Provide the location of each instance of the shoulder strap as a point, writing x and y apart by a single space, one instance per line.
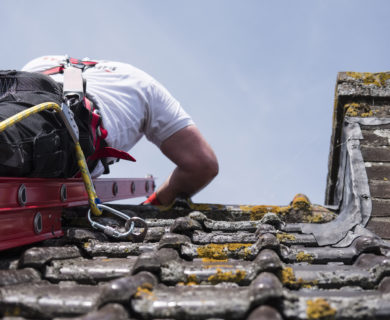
76 63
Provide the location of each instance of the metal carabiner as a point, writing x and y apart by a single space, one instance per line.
129 225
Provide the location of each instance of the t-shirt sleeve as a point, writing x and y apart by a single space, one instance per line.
166 116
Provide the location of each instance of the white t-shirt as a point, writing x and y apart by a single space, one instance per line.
131 102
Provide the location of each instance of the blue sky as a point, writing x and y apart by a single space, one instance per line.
258 77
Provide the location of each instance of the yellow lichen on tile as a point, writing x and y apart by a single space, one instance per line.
288 278
259 208
288 275
358 110
351 109
283 210
228 276
210 260
299 210
282 236
258 212
206 206
187 283
301 202
377 79
208 263
220 251
192 280
367 114
315 217
304 257
320 309
142 292
145 291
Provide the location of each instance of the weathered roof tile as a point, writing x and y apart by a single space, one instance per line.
90 270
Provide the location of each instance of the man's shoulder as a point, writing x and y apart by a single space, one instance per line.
43 62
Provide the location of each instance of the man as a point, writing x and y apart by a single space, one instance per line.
133 104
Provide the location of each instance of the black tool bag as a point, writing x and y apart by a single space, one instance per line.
38 146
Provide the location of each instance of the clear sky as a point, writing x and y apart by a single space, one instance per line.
257 76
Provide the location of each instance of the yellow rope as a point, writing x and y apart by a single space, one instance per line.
92 196
28 112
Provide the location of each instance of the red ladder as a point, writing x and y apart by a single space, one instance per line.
31 208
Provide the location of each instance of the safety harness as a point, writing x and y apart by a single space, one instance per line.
73 116
99 133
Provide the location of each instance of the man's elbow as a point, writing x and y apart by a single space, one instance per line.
209 169
214 169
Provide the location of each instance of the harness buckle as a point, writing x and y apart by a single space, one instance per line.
129 225
73 88
71 62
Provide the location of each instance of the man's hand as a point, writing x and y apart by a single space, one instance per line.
196 164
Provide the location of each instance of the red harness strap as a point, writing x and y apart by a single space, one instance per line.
106 152
85 63
98 131
55 70
74 62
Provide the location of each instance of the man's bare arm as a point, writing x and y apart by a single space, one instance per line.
196 164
